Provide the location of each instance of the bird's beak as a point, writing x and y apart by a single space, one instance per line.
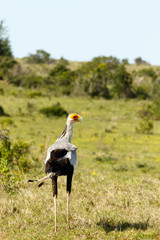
80 119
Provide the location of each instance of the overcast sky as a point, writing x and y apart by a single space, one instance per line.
82 29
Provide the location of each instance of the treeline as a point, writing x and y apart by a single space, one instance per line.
106 77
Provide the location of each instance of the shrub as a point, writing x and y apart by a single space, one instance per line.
96 84
146 111
6 63
1 91
148 72
2 112
13 161
29 81
55 110
156 109
30 107
141 92
122 83
145 126
33 94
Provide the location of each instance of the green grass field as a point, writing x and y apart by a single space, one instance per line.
116 185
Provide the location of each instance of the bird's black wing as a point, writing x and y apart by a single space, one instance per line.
58 163
58 153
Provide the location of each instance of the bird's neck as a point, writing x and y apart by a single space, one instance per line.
67 133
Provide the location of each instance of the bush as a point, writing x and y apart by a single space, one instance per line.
2 112
146 111
145 126
146 114
55 110
148 72
141 92
156 109
1 91
123 83
29 81
97 82
33 94
6 63
13 161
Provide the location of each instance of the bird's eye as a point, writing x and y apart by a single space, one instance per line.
74 116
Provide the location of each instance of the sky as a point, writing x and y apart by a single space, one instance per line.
79 30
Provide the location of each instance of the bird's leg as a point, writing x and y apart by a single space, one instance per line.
54 187
69 184
55 212
68 210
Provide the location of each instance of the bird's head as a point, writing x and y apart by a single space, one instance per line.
74 117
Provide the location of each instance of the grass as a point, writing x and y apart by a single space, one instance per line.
116 193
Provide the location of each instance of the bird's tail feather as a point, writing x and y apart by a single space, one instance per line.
50 175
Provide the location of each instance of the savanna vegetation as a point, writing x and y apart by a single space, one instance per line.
116 193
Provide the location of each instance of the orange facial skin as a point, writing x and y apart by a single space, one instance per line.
75 117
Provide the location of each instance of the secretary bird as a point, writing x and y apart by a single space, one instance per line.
62 160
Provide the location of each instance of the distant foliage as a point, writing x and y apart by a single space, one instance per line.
5 48
27 80
123 83
97 82
55 110
61 78
125 61
40 56
6 56
149 72
6 63
63 61
139 61
141 92
102 77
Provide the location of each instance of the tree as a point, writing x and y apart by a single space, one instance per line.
97 82
62 79
5 48
123 82
139 61
125 61
40 56
6 57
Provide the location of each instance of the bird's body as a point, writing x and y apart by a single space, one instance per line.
62 160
